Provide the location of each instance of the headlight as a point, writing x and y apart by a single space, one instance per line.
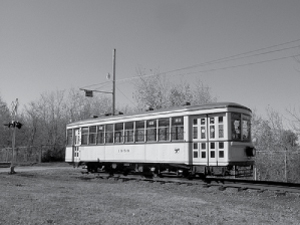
250 151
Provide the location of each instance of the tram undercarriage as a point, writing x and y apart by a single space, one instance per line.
160 170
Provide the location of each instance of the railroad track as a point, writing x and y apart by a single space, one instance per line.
4 164
280 188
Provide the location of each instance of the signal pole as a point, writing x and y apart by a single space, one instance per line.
13 114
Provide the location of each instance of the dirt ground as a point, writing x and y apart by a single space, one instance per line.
64 196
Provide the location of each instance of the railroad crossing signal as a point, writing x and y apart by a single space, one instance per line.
16 124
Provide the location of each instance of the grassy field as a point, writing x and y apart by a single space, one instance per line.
65 196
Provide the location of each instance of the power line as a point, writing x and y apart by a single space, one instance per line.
209 70
220 60
245 64
127 97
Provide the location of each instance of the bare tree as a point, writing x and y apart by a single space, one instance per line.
277 148
156 91
4 119
151 91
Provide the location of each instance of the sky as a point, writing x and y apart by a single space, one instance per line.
62 44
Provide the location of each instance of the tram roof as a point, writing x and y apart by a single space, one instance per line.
186 108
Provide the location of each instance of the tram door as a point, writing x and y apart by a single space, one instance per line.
77 142
207 131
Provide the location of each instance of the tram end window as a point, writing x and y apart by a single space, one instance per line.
236 126
246 128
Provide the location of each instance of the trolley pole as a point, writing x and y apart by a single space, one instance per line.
114 83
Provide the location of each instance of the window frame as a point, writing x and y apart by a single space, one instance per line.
163 129
151 130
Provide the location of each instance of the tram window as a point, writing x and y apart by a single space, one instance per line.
212 120
212 131
202 121
221 154
195 146
84 135
119 133
203 132
236 126
195 121
195 132
221 145
221 131
151 130
163 129
195 154
129 132
221 127
69 137
109 133
246 128
220 119
92 135
140 131
177 129
100 135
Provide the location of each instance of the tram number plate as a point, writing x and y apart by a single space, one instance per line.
123 150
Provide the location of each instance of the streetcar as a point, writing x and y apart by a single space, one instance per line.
209 139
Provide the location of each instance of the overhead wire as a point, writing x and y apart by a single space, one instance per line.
226 59
239 56
127 97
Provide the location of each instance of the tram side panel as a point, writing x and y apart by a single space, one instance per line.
69 154
143 153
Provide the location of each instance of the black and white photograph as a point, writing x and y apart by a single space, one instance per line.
149 112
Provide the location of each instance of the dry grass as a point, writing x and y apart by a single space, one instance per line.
65 196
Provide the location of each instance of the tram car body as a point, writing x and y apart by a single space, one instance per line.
185 140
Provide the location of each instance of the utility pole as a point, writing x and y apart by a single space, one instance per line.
89 92
114 83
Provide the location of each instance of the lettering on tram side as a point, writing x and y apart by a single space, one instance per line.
123 150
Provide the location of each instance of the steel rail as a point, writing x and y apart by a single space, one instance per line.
223 184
